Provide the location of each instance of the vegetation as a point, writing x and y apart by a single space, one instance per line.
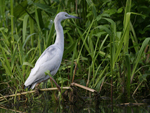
109 48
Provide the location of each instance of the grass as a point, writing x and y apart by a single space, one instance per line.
100 50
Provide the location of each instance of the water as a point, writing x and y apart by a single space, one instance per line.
53 108
48 102
49 105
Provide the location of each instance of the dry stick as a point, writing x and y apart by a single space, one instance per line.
51 89
83 87
28 92
131 104
101 87
74 72
12 110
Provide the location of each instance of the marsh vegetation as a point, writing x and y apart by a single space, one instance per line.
108 50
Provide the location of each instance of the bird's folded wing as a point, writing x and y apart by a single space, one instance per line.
47 55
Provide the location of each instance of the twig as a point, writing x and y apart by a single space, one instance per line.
74 72
55 88
131 104
12 110
83 87
28 92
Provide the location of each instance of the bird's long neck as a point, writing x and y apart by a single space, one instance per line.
59 35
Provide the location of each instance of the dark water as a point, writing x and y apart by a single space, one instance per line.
47 104
49 108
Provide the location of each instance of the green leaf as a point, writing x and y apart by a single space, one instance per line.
120 10
20 9
45 7
28 64
27 40
139 55
62 80
25 20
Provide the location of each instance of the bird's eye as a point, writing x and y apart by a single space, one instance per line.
66 15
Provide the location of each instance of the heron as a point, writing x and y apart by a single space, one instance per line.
51 58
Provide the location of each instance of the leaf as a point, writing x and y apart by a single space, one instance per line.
139 55
25 20
45 7
100 76
6 41
27 40
5 29
120 10
62 80
104 28
40 19
143 77
69 49
28 64
99 17
20 9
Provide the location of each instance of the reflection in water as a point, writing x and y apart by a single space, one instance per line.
76 109
45 104
58 108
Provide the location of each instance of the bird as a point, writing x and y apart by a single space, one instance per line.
51 58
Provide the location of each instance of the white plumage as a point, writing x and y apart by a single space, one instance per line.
51 58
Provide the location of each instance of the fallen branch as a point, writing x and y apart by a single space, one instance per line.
47 89
28 92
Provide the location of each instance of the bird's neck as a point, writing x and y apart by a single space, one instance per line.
59 35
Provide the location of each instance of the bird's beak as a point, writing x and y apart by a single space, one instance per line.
70 16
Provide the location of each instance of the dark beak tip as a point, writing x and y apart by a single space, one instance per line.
78 17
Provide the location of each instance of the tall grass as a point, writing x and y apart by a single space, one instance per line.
94 44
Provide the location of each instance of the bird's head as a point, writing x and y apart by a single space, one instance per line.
63 15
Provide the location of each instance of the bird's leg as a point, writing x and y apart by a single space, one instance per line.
56 84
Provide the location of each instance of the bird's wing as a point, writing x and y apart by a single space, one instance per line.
46 56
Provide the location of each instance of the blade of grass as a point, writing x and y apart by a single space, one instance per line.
139 55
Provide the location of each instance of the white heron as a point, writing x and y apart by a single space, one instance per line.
51 58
